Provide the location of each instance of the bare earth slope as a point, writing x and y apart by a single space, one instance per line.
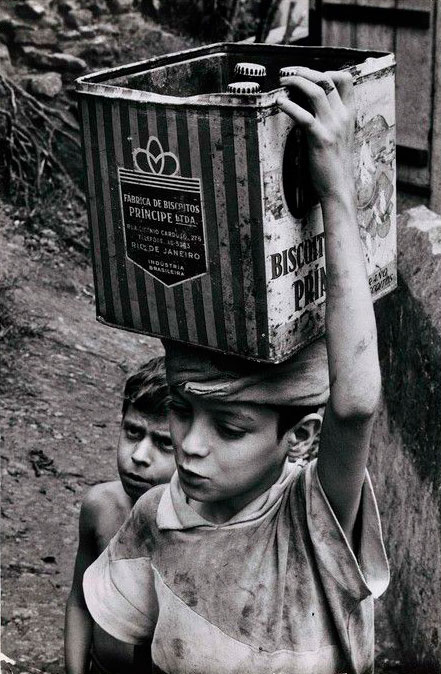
62 374
61 388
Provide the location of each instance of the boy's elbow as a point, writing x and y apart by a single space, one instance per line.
360 401
76 601
356 410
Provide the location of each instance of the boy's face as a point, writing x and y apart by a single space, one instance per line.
145 452
225 451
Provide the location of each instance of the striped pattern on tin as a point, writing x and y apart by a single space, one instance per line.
97 261
178 144
133 136
141 320
218 148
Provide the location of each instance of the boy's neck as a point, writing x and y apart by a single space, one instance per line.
220 512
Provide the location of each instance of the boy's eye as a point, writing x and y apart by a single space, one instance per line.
180 410
165 445
133 433
230 433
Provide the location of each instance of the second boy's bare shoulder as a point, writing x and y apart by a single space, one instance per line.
105 507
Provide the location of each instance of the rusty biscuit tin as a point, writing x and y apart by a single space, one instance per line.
204 225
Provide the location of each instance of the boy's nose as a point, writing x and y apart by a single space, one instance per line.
143 452
195 441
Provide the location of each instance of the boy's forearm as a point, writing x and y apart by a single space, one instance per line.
350 320
77 638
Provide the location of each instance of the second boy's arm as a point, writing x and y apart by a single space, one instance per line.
350 321
78 622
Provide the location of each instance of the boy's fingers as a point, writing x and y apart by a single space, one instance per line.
315 94
296 112
321 79
344 83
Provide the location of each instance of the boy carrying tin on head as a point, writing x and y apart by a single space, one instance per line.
145 459
245 562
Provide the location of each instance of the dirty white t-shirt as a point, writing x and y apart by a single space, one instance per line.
276 589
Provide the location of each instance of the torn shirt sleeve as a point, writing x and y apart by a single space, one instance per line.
361 576
119 586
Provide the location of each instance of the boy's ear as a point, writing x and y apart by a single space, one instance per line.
301 436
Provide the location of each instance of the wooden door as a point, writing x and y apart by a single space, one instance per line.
405 27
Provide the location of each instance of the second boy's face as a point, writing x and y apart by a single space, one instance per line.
227 454
145 452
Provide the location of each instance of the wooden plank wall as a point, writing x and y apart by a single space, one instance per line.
435 172
405 27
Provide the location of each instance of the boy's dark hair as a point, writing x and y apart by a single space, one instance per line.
147 388
290 416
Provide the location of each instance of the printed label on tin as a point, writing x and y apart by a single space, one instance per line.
163 220
305 263
383 280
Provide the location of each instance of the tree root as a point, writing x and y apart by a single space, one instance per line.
28 142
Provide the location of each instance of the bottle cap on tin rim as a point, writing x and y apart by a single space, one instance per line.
243 88
250 69
287 71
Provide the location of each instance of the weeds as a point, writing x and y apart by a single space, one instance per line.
31 135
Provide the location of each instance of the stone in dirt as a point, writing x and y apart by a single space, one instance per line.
77 18
98 7
66 6
48 85
8 25
119 6
43 37
97 30
5 60
17 468
106 29
88 31
30 10
84 16
100 45
51 22
69 35
101 49
59 61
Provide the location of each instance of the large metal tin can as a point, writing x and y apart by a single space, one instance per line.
203 222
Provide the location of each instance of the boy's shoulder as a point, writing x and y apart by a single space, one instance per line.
146 507
106 494
139 534
104 509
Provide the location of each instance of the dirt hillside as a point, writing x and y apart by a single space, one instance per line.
62 379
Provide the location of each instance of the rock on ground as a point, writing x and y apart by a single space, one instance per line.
48 85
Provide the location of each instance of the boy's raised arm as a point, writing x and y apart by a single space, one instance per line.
350 322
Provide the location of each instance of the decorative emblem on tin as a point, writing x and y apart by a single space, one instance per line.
156 160
375 157
375 154
163 217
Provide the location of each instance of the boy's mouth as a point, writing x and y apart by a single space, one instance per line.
132 477
189 475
